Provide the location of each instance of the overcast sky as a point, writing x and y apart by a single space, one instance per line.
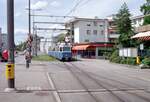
86 8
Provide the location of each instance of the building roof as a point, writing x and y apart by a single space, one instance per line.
84 19
140 16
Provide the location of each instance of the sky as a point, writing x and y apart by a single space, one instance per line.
85 8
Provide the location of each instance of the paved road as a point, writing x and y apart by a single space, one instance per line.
80 81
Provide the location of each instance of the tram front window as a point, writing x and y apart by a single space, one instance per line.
66 49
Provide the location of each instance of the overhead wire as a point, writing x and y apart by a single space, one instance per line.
77 6
74 8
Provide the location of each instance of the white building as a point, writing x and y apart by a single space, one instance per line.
45 45
0 37
89 30
137 21
4 41
112 29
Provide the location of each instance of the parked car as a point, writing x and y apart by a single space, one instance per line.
4 56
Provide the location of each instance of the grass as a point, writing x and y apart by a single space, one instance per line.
43 58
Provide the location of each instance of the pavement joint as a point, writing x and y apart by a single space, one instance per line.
55 93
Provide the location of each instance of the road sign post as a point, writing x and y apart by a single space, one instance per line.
10 30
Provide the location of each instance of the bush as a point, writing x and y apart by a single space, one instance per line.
115 57
146 61
131 61
123 61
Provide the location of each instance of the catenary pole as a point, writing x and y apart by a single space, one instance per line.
10 30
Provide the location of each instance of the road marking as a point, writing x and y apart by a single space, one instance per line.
101 90
33 88
55 93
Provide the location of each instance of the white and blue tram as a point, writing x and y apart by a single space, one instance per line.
62 52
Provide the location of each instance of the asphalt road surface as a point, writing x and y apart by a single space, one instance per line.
80 81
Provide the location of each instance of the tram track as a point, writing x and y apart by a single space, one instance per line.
76 72
85 87
98 82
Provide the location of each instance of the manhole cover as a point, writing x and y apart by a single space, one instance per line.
42 93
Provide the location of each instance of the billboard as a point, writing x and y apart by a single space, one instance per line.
128 52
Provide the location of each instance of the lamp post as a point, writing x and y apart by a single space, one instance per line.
29 40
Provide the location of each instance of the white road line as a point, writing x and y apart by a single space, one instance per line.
55 93
33 88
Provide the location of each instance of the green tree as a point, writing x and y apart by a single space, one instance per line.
124 26
61 38
145 8
21 46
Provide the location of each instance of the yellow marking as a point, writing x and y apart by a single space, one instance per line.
10 71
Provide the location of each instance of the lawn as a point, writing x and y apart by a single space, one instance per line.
43 58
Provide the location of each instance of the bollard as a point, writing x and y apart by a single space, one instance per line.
138 60
10 74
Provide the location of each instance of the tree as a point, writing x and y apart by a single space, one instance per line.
61 38
124 26
21 46
145 8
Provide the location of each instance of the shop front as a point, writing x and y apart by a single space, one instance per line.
91 50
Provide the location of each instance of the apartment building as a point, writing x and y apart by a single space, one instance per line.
3 40
90 37
89 30
0 37
112 29
137 21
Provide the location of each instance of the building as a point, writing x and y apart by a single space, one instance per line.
90 37
0 37
4 41
89 30
137 21
35 44
45 44
112 29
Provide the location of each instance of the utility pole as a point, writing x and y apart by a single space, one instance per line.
29 40
29 16
71 33
10 30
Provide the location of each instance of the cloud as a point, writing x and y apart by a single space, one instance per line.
55 4
39 5
22 31
20 35
103 8
17 14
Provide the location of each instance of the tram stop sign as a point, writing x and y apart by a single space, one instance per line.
141 46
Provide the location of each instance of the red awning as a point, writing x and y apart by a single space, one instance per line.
80 47
142 36
103 45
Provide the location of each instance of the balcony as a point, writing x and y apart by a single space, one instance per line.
142 28
114 36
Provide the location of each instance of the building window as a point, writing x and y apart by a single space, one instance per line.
88 24
102 32
88 32
95 23
95 32
86 40
101 25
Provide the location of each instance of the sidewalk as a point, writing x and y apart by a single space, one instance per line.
32 85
